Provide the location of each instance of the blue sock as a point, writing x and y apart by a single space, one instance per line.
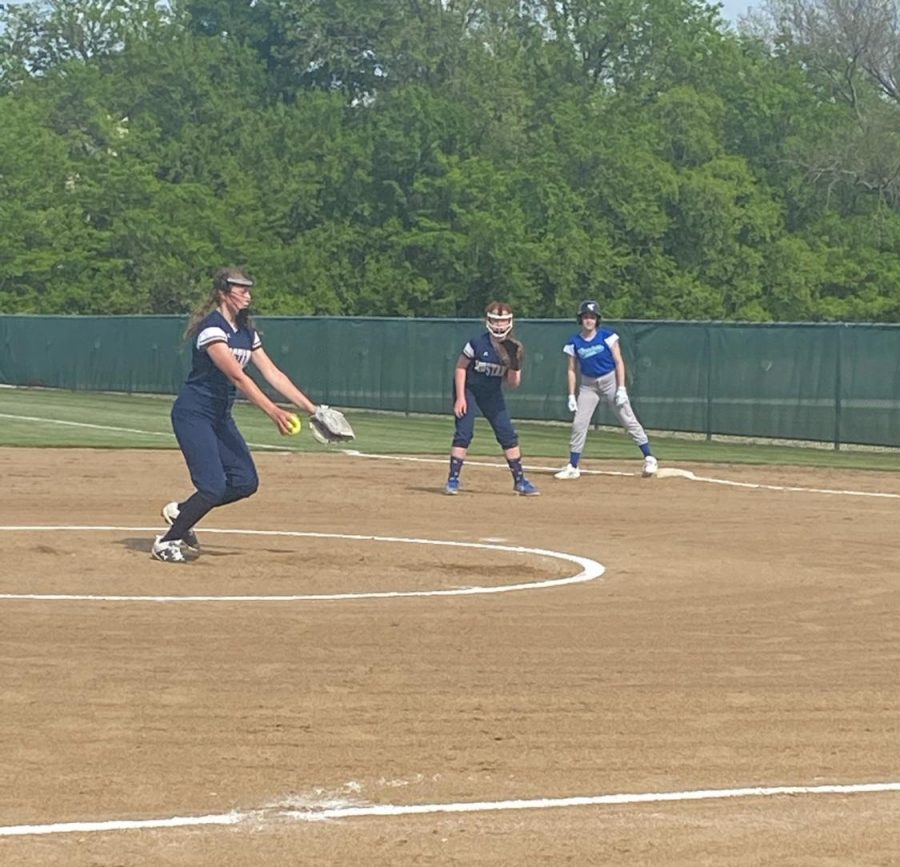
515 465
455 467
645 450
574 458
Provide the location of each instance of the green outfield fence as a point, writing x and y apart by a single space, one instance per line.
829 382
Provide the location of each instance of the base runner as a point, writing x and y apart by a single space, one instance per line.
595 354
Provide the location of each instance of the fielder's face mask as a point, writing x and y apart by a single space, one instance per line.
499 324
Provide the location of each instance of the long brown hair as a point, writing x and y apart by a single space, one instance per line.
221 285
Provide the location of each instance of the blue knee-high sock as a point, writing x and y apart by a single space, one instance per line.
645 450
574 458
515 467
456 465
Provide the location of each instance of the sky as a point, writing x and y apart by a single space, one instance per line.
732 9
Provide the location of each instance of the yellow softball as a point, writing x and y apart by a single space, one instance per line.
295 426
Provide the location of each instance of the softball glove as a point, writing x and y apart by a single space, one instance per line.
330 426
512 353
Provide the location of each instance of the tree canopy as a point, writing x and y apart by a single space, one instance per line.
420 157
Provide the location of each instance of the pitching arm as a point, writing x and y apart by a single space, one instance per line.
221 356
280 381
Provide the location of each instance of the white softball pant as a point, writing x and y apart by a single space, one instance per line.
590 393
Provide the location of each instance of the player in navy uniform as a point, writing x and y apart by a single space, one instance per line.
221 468
595 354
481 371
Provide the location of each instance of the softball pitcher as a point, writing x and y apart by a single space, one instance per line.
595 354
217 457
484 365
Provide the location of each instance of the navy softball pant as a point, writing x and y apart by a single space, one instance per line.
216 455
493 407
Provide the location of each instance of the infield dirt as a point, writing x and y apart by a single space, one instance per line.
739 637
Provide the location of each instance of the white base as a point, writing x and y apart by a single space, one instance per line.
674 473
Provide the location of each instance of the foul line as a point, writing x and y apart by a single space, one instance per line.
590 569
791 488
664 472
113 429
312 813
686 474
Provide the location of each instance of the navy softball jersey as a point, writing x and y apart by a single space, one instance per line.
595 357
486 369
206 387
216 454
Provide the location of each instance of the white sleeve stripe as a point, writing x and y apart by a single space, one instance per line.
468 351
569 349
611 340
211 335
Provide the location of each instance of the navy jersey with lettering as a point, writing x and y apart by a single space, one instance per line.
206 387
486 369
594 356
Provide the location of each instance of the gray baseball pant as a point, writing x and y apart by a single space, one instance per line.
590 393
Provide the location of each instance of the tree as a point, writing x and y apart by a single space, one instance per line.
851 49
39 36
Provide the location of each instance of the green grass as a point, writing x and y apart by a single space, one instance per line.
64 419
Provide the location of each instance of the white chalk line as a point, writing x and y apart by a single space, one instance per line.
796 489
311 813
127 430
105 427
687 474
590 569
664 472
350 811
120 825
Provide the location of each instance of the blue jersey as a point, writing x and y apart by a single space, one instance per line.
486 369
207 388
594 356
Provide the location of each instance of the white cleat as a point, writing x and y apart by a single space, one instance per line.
651 465
568 472
168 552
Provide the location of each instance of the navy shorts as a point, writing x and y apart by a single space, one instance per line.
493 407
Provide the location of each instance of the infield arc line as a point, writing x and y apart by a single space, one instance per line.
312 813
590 569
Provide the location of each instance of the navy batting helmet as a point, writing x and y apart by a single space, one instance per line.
591 307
